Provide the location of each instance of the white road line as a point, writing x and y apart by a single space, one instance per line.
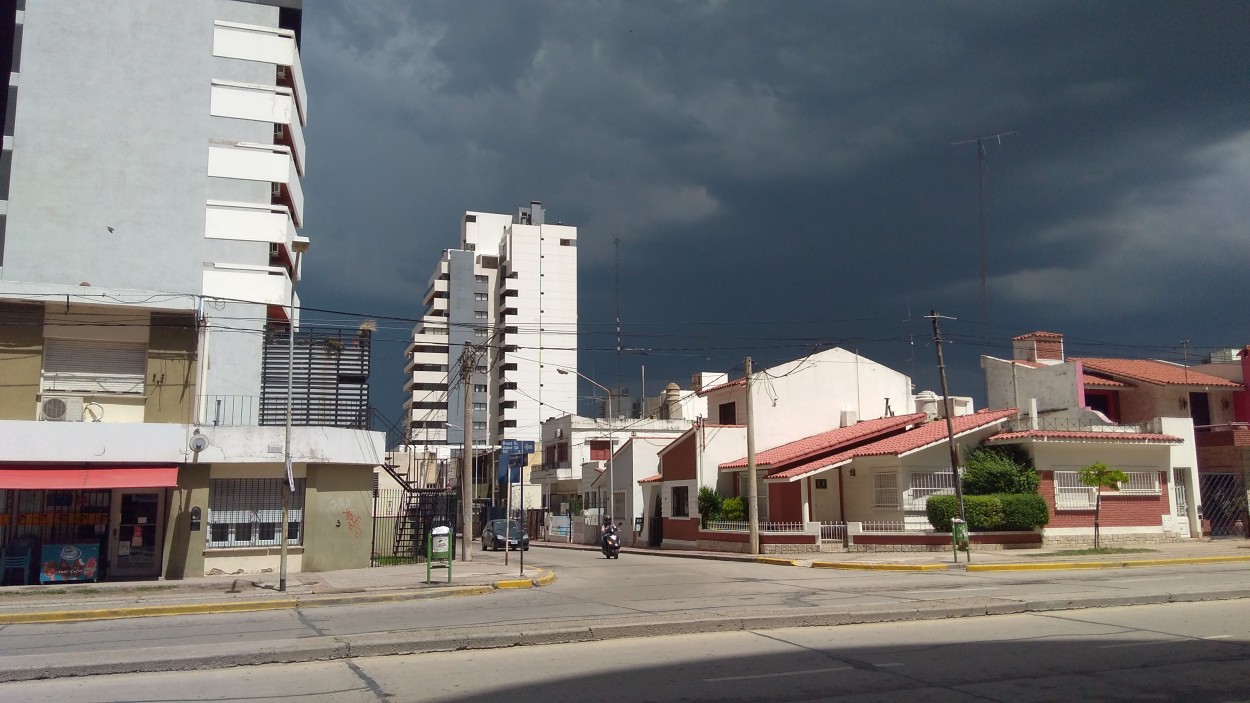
1217 637
1139 644
955 590
882 666
780 673
1157 578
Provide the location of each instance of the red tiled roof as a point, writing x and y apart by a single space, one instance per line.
1032 335
932 432
1132 437
737 382
652 479
1088 380
826 441
1157 372
903 442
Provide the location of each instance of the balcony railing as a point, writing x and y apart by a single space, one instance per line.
1063 424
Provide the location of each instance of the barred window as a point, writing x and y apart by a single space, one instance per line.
247 512
885 490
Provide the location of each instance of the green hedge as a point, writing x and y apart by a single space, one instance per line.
1003 511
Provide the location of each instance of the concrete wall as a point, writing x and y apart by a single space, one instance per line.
1008 385
171 370
21 360
338 523
184 548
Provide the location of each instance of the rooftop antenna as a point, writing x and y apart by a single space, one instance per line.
980 142
616 241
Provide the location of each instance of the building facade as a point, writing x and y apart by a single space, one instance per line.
150 207
505 300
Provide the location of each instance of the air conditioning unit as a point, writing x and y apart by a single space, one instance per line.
61 408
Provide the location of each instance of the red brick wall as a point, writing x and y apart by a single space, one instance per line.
678 463
1117 510
1049 349
785 502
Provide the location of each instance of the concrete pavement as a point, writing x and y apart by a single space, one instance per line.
487 573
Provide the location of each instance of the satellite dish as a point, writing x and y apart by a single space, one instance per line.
198 443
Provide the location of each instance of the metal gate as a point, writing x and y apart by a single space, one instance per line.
1223 509
403 519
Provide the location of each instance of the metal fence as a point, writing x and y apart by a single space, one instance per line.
884 526
925 484
1065 424
833 532
744 526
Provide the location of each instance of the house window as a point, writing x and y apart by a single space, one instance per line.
885 490
925 484
479 387
81 366
1141 483
728 414
600 450
479 314
480 406
1071 494
479 333
822 483
247 512
480 279
479 427
481 296
681 501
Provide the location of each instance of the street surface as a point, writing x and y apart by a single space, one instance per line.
1174 652
592 591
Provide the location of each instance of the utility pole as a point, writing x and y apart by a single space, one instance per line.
753 507
980 142
466 469
950 424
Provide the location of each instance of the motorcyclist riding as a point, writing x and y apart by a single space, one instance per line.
610 538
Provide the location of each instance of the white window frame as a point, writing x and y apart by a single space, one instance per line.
885 492
922 484
1140 483
1071 494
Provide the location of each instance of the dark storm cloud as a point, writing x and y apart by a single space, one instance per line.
794 161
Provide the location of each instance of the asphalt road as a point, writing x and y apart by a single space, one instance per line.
1174 652
637 588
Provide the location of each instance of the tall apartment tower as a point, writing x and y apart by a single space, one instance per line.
509 293
150 205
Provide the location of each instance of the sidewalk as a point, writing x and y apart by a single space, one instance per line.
487 572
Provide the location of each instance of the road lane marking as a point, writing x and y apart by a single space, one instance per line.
1139 644
778 674
1217 637
882 666
1156 578
955 590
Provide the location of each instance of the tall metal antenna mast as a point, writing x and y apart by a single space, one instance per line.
980 142
617 295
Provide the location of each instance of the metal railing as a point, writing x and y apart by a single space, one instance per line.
744 526
884 526
1142 483
229 410
1071 494
1065 424
927 484
833 532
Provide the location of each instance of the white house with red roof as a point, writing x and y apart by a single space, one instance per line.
1136 415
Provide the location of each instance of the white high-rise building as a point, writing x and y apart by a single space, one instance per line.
509 292
150 204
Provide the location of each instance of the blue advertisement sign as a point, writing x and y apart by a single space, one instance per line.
69 562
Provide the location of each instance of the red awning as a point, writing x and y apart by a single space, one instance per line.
81 478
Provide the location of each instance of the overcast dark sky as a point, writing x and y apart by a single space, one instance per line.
784 174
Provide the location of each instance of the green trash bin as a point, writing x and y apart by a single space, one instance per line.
439 550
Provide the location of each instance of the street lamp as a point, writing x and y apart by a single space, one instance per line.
299 245
611 444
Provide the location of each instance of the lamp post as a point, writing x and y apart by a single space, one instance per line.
611 444
299 245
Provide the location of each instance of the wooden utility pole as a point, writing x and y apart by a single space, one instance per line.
947 410
753 507
466 464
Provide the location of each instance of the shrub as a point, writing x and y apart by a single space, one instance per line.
733 509
1023 512
1005 469
989 513
709 505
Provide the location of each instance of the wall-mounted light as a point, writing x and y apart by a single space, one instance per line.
1224 404
1184 404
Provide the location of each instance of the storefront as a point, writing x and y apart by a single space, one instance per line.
84 522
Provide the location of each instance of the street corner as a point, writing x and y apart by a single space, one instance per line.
869 566
544 577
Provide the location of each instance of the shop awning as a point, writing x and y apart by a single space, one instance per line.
78 477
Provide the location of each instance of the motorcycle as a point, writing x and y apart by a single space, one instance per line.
612 544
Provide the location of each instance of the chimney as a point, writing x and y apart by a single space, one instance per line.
1038 347
671 409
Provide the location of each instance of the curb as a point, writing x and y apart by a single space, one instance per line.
546 578
226 655
1055 565
857 566
776 561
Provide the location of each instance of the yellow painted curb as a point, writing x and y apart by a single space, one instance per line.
1057 565
515 583
877 567
144 611
548 578
776 561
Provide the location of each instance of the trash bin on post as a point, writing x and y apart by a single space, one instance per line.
959 536
438 551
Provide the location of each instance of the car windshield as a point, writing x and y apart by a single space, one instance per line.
512 526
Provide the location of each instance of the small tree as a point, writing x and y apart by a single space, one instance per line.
709 505
1099 476
734 509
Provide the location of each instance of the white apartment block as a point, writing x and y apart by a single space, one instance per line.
150 204
509 292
